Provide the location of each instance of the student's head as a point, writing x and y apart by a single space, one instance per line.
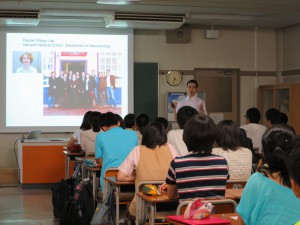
163 121
108 120
294 170
192 86
199 133
154 135
129 120
85 124
277 143
95 121
284 118
141 121
228 135
273 116
26 58
120 121
244 140
183 114
252 115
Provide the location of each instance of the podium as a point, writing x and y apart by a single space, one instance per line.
41 162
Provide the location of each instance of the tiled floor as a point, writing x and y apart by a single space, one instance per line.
26 206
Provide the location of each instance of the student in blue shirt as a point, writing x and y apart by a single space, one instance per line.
268 197
114 144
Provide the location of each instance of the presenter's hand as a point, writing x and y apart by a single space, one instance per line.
200 108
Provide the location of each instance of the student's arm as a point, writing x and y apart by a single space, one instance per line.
124 177
99 162
71 142
169 190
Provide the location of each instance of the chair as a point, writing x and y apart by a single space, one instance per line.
154 211
123 197
236 184
221 206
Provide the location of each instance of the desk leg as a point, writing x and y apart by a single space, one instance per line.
67 167
94 188
152 214
117 204
140 210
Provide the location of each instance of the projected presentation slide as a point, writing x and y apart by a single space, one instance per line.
53 79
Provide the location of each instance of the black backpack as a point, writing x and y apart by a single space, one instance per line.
61 192
80 209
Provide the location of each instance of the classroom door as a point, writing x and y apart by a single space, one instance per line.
221 88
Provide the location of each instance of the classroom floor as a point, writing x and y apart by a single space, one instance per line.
29 207
26 206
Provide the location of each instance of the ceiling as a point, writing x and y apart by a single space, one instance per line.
245 13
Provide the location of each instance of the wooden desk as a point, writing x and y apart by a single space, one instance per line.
41 162
94 171
234 194
228 216
111 182
152 200
68 157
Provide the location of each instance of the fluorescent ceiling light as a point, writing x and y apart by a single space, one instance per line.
218 17
117 2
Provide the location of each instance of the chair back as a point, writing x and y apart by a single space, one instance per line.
236 184
221 206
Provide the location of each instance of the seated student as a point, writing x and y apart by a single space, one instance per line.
175 136
239 159
85 125
293 164
88 137
273 116
129 121
207 171
151 159
114 144
247 143
141 122
267 197
120 121
254 130
163 121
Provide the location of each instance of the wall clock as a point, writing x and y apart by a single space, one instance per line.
174 78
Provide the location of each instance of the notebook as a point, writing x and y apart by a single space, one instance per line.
208 220
35 134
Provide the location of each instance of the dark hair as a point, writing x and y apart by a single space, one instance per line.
108 119
163 121
253 115
85 124
284 118
192 81
273 115
154 135
120 119
142 121
95 121
184 113
293 164
277 143
129 120
199 133
228 135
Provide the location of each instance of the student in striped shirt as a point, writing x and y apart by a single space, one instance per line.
200 173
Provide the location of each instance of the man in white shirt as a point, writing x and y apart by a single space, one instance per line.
254 130
191 99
